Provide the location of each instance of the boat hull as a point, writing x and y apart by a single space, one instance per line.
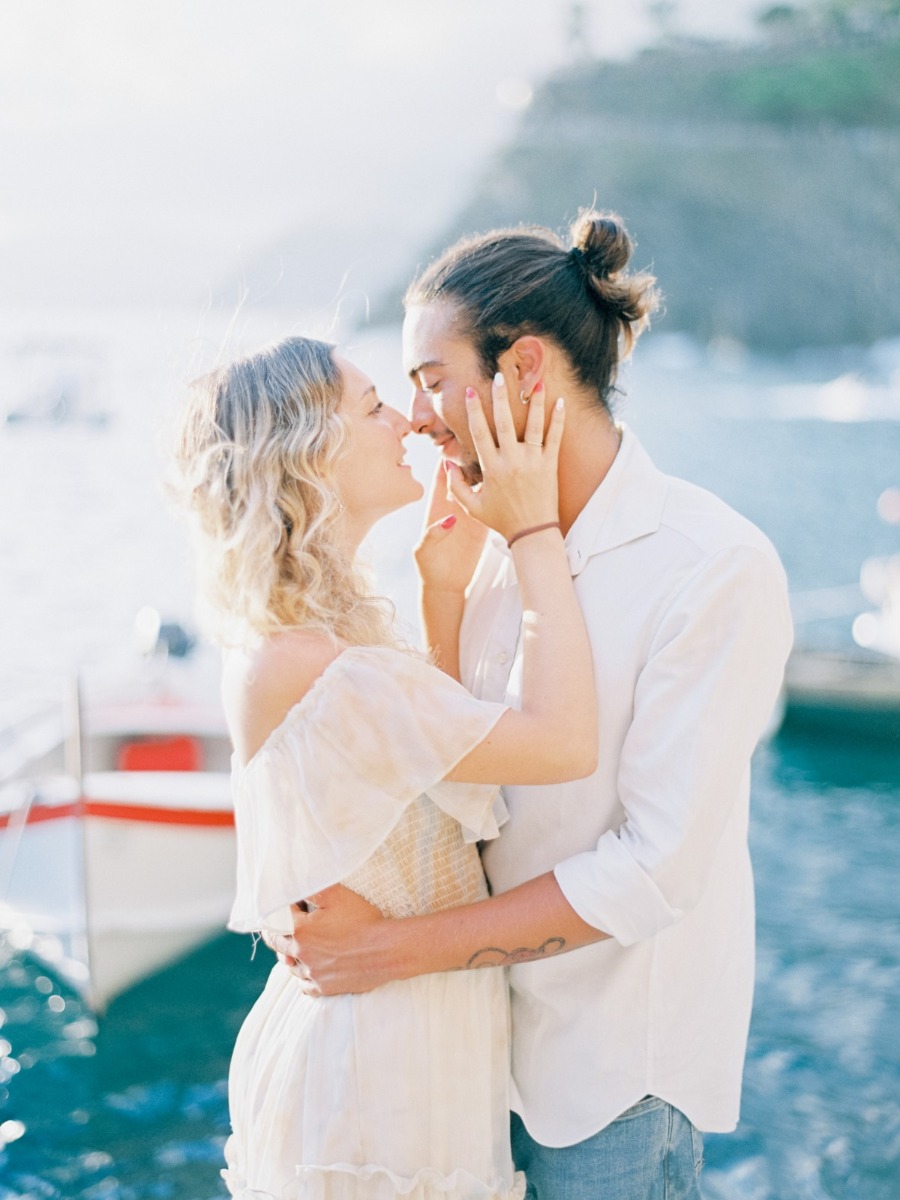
843 694
112 884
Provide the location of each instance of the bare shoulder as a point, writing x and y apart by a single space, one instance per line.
261 684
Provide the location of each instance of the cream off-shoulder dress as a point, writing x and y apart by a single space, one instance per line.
402 1091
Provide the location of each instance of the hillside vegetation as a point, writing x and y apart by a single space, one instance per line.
761 183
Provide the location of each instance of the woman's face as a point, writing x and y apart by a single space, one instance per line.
371 477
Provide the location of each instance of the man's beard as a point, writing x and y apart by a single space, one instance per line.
471 473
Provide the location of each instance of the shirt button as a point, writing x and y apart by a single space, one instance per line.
502 658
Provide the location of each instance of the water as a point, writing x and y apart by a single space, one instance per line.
821 1110
137 1108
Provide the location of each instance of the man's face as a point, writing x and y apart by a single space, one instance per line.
441 366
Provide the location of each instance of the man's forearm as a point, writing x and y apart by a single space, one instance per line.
528 923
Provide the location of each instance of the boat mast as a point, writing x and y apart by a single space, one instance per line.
74 765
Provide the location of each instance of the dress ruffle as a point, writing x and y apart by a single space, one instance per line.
377 730
343 1181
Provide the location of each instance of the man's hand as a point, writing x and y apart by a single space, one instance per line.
330 950
346 945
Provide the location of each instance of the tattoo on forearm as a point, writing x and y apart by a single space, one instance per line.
494 956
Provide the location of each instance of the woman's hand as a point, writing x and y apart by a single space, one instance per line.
452 541
520 488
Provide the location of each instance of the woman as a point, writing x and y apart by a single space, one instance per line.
357 760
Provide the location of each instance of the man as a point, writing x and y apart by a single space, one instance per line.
623 1052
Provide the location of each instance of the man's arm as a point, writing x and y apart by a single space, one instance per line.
700 705
346 945
701 702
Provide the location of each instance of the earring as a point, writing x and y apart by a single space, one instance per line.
523 397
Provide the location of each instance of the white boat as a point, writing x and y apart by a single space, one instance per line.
117 830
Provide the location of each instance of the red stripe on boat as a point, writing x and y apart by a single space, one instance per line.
123 812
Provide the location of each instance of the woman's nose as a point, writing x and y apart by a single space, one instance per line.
401 424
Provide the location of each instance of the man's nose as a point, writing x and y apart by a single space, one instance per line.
421 411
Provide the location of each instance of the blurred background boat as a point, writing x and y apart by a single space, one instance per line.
55 382
847 695
854 691
116 827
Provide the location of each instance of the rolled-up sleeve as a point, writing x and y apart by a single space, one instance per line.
711 679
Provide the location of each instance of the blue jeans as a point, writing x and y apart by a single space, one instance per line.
650 1152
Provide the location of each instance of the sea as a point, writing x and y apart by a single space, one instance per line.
133 1105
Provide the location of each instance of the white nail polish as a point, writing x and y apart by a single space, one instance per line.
560 403
498 379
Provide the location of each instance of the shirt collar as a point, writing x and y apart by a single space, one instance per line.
627 505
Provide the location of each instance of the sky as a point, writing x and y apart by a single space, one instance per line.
152 150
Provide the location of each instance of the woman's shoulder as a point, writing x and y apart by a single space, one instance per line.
263 682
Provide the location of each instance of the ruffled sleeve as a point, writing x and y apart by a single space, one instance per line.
376 730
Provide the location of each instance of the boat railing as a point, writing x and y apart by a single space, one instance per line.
13 832
40 731
34 738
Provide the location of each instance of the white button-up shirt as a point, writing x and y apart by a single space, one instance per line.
687 612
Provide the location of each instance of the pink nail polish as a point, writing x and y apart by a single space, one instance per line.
448 522
538 387
471 393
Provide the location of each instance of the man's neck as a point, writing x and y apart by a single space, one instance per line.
589 447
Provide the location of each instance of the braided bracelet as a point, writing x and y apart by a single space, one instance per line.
533 529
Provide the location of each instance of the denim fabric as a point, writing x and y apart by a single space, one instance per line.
650 1152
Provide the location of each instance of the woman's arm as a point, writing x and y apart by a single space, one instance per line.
553 737
442 613
446 559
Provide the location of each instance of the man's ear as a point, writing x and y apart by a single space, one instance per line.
527 359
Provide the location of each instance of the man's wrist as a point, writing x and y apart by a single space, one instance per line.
389 949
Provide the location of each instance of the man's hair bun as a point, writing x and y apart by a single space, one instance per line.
603 241
601 248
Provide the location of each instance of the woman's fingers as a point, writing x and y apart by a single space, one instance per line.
519 487
438 530
534 423
440 502
503 418
468 500
449 549
485 446
555 430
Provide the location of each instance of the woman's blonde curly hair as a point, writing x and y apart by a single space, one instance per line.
255 451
